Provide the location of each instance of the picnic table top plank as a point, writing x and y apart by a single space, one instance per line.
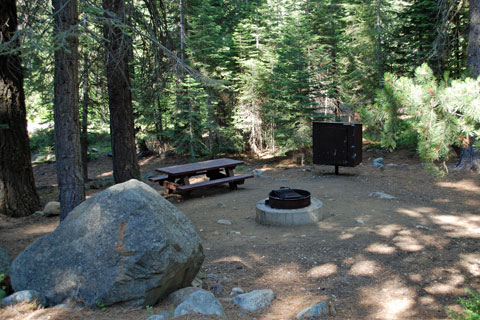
195 167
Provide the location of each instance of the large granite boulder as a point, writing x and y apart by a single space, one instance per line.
127 245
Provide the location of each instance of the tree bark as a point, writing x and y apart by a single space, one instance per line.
473 50
18 195
66 112
469 156
125 166
85 103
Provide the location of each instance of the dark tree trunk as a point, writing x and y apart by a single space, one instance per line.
18 196
67 129
125 166
473 50
469 156
85 102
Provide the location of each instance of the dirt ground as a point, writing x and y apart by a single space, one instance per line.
406 258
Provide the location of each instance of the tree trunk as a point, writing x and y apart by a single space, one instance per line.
67 129
473 50
469 156
85 102
18 196
125 166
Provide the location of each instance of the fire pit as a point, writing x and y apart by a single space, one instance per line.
288 207
286 198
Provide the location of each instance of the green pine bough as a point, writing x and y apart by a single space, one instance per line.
441 112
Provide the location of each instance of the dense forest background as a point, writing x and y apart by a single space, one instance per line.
220 77
249 76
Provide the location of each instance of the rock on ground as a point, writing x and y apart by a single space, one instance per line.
320 309
161 316
381 195
202 302
25 295
126 245
254 300
378 162
52 209
181 295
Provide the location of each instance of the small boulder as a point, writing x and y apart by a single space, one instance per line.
202 302
224 221
381 195
161 316
25 295
126 246
378 162
258 173
254 300
52 209
236 290
320 309
37 214
181 295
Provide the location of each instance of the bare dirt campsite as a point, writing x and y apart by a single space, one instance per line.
403 258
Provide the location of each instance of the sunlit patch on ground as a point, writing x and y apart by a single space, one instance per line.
471 263
467 225
389 230
365 268
391 299
444 286
463 185
408 242
323 270
380 248
346 236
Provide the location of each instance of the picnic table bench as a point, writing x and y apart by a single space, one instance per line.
219 171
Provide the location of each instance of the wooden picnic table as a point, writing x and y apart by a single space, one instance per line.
219 171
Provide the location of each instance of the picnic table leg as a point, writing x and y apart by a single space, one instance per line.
230 173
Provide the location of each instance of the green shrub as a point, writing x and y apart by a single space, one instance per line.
470 307
436 114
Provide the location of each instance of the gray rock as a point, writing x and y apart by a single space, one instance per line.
203 302
221 205
5 262
236 290
378 162
392 165
258 173
197 282
63 306
381 195
320 309
52 209
37 214
161 316
25 295
177 297
254 300
126 245
224 221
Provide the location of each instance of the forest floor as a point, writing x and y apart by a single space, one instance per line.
406 258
